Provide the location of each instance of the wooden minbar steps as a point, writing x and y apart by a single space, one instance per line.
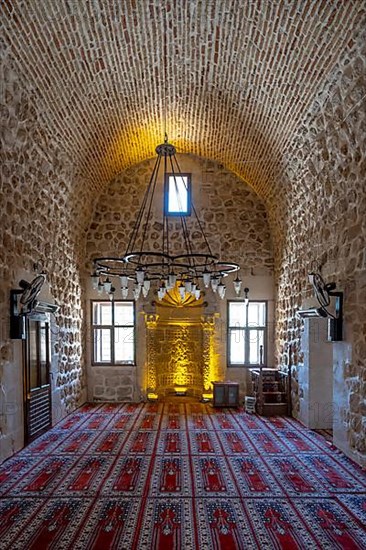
271 389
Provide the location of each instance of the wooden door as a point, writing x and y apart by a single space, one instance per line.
37 390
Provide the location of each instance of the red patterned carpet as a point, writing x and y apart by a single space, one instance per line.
183 476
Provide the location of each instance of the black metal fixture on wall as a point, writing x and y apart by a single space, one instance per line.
24 302
323 293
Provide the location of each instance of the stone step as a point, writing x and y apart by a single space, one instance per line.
273 409
274 397
270 386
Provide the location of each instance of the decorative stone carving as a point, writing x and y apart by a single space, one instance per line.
151 321
210 371
175 357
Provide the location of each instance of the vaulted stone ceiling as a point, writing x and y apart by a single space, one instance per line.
235 82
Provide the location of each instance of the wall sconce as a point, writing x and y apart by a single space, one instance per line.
237 285
246 299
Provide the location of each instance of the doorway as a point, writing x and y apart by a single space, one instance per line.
36 376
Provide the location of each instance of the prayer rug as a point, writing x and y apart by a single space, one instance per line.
180 475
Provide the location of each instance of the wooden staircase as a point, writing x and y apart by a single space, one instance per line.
271 390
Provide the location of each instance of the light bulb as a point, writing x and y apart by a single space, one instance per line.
136 292
221 289
124 293
161 292
107 285
197 293
145 291
188 286
246 300
172 279
95 280
237 285
124 281
140 275
214 283
206 278
182 292
147 284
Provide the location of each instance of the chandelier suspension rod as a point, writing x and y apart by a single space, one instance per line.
191 259
182 218
197 218
149 208
133 237
165 220
186 239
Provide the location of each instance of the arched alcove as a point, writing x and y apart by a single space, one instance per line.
235 223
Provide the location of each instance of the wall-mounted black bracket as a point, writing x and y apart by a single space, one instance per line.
17 320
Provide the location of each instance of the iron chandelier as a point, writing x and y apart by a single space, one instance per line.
140 266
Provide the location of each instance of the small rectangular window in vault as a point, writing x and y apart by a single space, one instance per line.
178 195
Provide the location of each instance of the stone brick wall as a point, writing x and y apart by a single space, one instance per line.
37 225
110 384
321 220
234 218
235 223
82 101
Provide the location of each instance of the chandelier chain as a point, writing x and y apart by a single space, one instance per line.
197 218
148 217
133 237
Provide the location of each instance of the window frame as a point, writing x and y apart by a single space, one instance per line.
246 330
186 213
112 328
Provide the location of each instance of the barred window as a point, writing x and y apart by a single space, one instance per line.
113 332
247 332
177 195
